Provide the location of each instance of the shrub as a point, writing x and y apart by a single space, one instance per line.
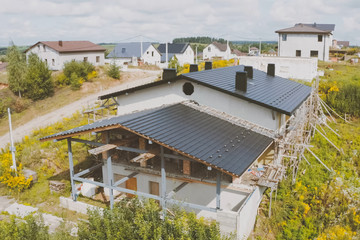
76 73
114 71
135 219
75 81
31 228
13 180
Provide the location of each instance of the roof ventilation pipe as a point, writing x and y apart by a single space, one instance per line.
208 65
169 73
249 70
241 81
194 68
271 69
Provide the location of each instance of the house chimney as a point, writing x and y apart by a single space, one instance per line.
194 68
169 73
249 70
60 43
271 69
241 81
208 65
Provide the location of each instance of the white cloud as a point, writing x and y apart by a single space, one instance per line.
163 20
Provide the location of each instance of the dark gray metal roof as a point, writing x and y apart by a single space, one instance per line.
277 93
195 134
128 50
173 47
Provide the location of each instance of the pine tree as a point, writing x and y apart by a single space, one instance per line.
114 71
38 82
16 69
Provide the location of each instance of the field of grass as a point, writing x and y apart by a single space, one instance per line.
322 204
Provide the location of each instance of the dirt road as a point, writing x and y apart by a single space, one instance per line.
68 110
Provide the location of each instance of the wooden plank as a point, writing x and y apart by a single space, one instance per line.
104 148
142 146
186 167
142 157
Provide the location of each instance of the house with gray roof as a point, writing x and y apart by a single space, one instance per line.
306 40
134 53
204 141
217 50
182 51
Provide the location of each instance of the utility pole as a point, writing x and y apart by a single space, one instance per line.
260 48
196 60
12 143
166 53
141 47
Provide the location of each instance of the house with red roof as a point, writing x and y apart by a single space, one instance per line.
56 53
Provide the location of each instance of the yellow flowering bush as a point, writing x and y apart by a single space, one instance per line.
13 180
92 75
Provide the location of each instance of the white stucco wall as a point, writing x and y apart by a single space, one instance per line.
187 57
172 93
305 43
286 67
56 60
211 51
151 56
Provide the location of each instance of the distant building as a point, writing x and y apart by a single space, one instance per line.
183 52
253 51
134 53
56 53
340 44
217 50
306 40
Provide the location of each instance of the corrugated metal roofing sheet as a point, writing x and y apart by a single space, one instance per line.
194 133
277 93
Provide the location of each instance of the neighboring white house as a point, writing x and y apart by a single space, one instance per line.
56 53
134 53
306 40
183 52
217 50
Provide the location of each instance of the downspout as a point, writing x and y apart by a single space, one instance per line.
279 46
324 48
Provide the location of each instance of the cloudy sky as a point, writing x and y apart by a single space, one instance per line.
27 21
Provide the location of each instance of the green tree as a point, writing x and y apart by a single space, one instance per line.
114 71
16 69
38 82
174 63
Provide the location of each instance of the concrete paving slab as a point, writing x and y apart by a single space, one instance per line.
5 202
20 210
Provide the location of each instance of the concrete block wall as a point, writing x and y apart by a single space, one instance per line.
286 67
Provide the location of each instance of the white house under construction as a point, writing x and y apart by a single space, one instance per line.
206 140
